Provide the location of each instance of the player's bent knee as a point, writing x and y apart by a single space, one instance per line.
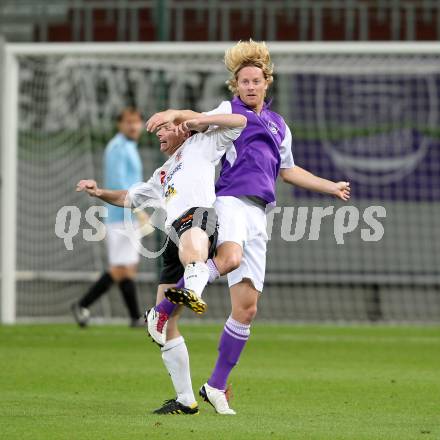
251 314
234 261
231 262
228 257
245 315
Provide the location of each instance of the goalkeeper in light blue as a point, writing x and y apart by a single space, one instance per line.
122 169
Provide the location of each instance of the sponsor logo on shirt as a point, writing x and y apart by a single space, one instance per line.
174 171
170 192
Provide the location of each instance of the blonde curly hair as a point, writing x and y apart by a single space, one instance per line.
247 53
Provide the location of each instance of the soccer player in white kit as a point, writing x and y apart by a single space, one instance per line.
245 190
184 186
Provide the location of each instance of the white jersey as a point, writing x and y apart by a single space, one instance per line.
186 179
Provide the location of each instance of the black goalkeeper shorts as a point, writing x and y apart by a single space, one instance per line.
204 218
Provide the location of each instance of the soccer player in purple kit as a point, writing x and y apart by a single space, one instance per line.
245 190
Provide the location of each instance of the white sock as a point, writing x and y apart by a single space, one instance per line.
196 277
176 359
213 271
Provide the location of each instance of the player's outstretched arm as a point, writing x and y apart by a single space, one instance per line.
161 118
300 177
114 197
202 122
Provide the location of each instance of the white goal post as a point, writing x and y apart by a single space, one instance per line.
9 184
282 54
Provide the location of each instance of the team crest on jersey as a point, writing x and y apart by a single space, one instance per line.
170 192
272 127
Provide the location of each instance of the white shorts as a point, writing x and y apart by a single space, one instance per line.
122 250
244 223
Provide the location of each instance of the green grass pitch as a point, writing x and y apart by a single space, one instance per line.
293 382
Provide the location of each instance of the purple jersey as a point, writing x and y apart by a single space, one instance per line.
264 146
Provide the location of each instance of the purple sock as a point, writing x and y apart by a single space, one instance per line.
166 306
233 339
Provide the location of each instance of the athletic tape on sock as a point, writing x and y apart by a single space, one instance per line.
196 276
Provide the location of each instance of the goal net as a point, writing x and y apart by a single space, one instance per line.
364 113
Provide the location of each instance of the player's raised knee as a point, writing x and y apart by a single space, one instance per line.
228 257
231 262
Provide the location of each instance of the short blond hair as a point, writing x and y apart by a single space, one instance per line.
247 53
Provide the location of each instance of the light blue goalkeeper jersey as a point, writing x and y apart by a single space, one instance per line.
122 169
